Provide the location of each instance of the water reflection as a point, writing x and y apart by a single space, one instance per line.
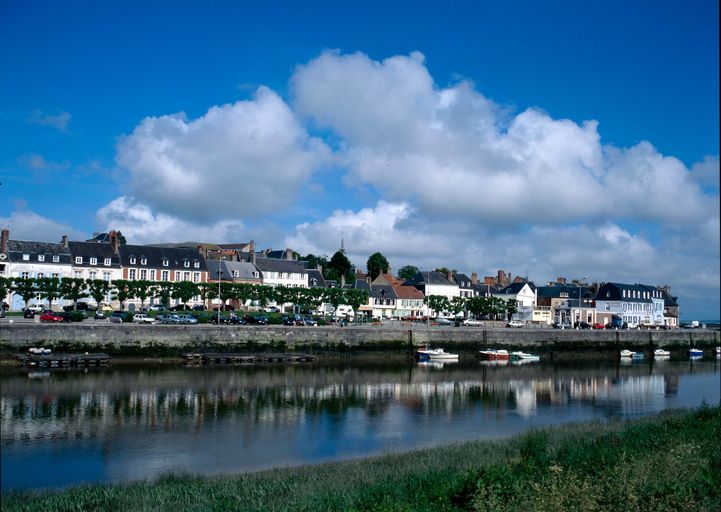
62 427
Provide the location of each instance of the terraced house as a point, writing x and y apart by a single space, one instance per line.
636 304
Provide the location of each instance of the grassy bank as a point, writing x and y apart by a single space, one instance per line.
667 462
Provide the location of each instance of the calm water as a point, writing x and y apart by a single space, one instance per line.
126 423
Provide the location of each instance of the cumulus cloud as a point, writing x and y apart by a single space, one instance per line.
28 225
707 171
59 121
455 152
245 159
140 225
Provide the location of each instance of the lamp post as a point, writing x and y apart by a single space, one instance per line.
220 274
579 298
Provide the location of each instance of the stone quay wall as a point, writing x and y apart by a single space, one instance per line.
136 339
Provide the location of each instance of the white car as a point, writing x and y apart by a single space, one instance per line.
472 323
515 323
36 308
142 318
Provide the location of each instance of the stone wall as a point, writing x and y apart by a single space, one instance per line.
131 338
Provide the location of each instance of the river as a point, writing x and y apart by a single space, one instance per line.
130 422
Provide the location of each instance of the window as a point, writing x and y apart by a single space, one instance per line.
107 262
152 275
236 273
196 277
25 275
131 274
177 276
186 263
186 276
143 260
132 259
92 274
77 274
196 264
39 275
26 257
143 274
165 262
164 275
93 261
256 275
41 257
55 274
56 258
78 260
106 276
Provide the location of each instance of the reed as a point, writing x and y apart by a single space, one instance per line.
665 462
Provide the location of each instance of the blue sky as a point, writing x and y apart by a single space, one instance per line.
546 138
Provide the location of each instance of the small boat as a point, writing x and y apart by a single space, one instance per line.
493 355
625 354
659 352
437 354
717 351
524 356
695 352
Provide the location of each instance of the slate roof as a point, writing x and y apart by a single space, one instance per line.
614 292
382 291
176 257
316 279
426 278
514 288
483 289
555 291
243 268
16 249
463 281
276 265
97 250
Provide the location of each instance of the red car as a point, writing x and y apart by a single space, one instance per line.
49 316
598 326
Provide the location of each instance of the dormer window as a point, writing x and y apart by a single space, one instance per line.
56 258
26 257
236 273
186 263
165 262
196 264
41 257
256 274
78 260
93 261
132 259
107 262
143 260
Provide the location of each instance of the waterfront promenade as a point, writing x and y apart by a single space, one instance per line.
133 338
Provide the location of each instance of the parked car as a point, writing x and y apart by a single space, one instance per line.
99 315
142 318
50 316
443 321
288 320
35 308
515 324
28 313
198 307
117 317
215 318
272 309
561 325
235 319
73 316
180 307
598 325
154 307
255 320
471 322
187 319
310 321
582 325
168 318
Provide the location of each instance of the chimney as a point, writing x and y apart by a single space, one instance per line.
289 254
65 241
450 276
252 257
561 280
501 277
114 240
474 278
4 237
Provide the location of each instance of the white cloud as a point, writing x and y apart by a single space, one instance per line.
35 162
140 225
27 225
455 152
59 122
707 171
246 159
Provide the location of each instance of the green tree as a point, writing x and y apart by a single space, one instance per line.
407 272
26 288
122 291
458 305
185 291
355 298
477 305
98 289
377 264
338 266
314 261
142 290
49 289
438 303
121 238
5 284
73 289
163 291
511 307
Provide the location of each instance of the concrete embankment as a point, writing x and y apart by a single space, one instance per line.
147 339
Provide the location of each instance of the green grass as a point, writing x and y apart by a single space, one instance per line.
666 462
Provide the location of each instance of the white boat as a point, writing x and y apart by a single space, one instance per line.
625 354
524 356
695 352
659 352
717 351
493 354
435 354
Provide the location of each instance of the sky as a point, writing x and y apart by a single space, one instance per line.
548 139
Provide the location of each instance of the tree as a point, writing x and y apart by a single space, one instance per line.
73 289
511 307
438 303
338 266
458 304
355 298
407 272
377 264
25 288
142 290
121 238
185 291
314 261
5 284
98 289
123 291
49 289
162 292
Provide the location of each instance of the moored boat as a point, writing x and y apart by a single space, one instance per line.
659 352
630 354
695 352
437 354
717 351
493 354
524 356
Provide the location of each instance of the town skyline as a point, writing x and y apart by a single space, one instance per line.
547 140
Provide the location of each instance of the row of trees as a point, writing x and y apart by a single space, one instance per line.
479 307
73 289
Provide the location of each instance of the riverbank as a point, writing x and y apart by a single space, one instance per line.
170 340
669 462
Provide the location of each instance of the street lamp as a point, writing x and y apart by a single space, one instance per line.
578 283
220 274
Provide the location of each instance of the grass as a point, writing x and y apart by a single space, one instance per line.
665 462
